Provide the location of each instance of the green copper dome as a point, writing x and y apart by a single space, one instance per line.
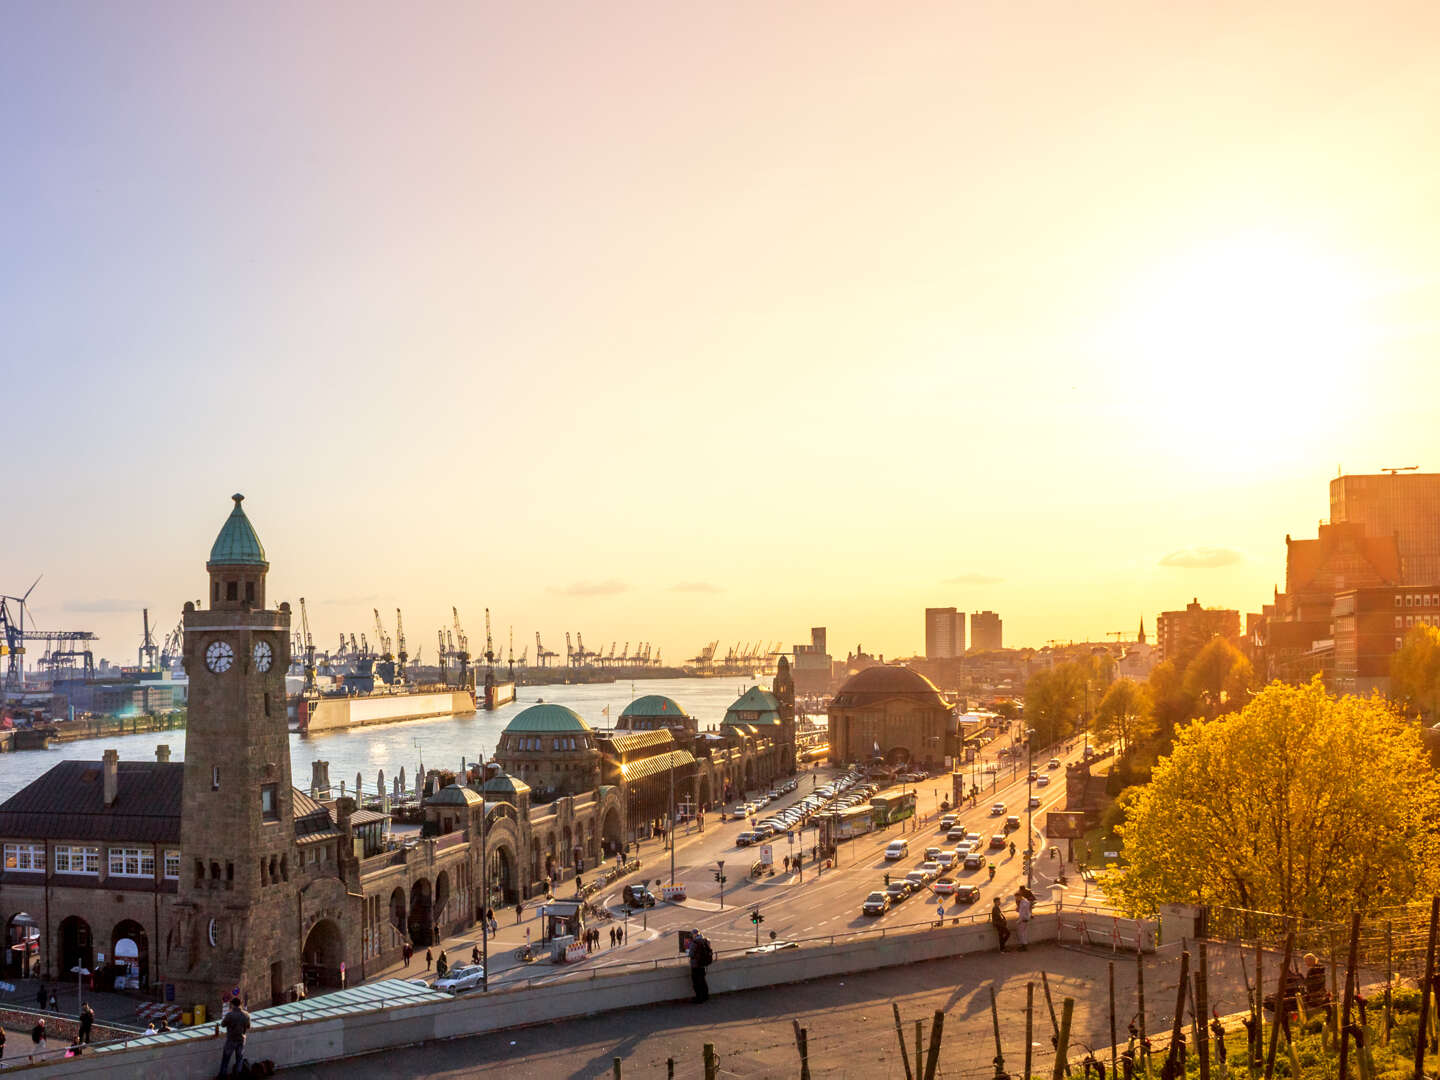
237 544
546 719
656 705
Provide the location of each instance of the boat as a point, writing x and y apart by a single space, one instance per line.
374 694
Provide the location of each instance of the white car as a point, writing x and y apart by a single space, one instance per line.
997 809
896 849
1042 780
461 978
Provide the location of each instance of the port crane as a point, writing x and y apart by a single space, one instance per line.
489 643
706 657
309 647
542 654
382 639
462 654
401 657
511 661
173 647
13 645
148 649
440 657
569 652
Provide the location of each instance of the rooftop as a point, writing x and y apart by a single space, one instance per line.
884 682
237 544
655 705
547 718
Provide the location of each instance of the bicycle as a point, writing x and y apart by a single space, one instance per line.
525 954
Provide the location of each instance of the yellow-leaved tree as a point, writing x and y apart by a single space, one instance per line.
1301 804
1415 672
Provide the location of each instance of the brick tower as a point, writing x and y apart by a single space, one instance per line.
237 834
783 687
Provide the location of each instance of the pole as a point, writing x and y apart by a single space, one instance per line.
1173 1053
1030 820
1279 1004
932 1060
995 1020
1350 978
1425 988
900 1037
1202 1009
1029 1027
670 822
1140 990
1050 1004
1062 1049
1113 1070
484 886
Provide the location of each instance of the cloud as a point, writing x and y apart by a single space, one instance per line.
1202 558
696 586
103 606
972 579
608 587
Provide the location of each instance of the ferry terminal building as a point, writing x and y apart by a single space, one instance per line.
216 872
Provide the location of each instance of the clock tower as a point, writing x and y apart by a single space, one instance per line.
237 834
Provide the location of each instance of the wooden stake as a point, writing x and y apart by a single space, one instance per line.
1171 1062
1202 1008
995 1021
1425 985
1350 976
937 1026
1389 976
1050 1004
615 1065
801 1045
1279 1005
669 1069
712 1065
1140 991
900 1035
1062 1049
1029 1026
1257 1048
918 1024
1113 1071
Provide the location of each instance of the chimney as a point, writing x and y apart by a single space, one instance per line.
162 752
320 780
110 768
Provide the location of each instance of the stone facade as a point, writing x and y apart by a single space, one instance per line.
894 713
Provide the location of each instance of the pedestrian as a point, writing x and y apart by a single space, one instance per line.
151 1029
997 920
430 957
519 911
442 965
701 954
407 950
37 1034
236 1023
54 1005
2 1044
87 1021
1023 907
41 996
474 954
494 926
612 937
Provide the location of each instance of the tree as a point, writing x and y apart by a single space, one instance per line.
1218 677
1300 803
1172 705
1415 672
1124 715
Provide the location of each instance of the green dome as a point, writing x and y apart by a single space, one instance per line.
454 795
237 544
656 705
547 719
502 783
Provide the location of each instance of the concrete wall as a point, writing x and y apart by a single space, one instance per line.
309 1041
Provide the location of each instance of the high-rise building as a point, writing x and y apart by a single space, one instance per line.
1179 635
1403 505
812 664
944 633
985 632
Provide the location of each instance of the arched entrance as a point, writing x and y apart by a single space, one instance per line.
502 877
22 940
322 955
397 914
702 790
422 919
568 854
552 865
897 755
442 898
610 829
131 949
749 774
77 945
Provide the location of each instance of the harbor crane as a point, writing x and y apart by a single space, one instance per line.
148 649
569 652
174 646
382 639
609 660
489 643
462 654
12 646
543 655
309 647
440 657
401 657
511 660
625 655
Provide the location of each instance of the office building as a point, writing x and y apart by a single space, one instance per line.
1179 635
1403 505
985 632
944 633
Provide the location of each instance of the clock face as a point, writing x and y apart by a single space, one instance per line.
264 656
219 656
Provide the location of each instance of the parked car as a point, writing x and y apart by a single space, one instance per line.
637 896
745 839
461 978
877 903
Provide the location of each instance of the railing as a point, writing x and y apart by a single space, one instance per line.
607 876
449 840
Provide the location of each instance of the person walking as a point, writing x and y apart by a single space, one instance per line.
407 950
87 1021
2 1044
236 1023
1024 905
442 965
474 954
37 1034
41 997
701 955
430 957
997 920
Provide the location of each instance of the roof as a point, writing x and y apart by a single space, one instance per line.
68 803
655 765
885 682
547 718
313 820
755 700
502 783
655 705
237 544
454 795
1341 550
625 742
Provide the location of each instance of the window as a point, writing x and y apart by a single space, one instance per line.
1409 600
231 591
215 778
269 802
172 865
1399 621
77 860
25 857
214 591
267 702
132 862
1398 601
249 592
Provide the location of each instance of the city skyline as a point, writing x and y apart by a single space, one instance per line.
942 310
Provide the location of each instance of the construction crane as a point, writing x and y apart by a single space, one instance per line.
657 658
462 653
173 647
489 643
401 657
611 658
148 650
440 657
309 646
625 655
382 639
543 655
511 661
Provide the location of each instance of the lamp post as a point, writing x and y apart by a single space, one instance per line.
484 884
670 822
1029 807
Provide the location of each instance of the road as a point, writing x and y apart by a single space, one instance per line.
806 904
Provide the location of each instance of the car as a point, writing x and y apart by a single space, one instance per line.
746 838
932 853
637 896
973 837
917 879
1034 802
930 869
740 810
1033 776
967 894
956 835
1042 780
763 830
963 848
466 977
974 861
997 809
999 841
947 859
897 891
877 903
944 886
896 849
948 822
1012 823
1053 763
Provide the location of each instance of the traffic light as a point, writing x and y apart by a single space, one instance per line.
719 877
756 918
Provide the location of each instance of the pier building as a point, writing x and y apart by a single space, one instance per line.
895 713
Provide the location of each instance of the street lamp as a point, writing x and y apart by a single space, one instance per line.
1029 807
720 877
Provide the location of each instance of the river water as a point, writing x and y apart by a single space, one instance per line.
439 742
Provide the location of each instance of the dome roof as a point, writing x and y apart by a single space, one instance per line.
887 681
547 718
656 705
502 783
237 544
455 795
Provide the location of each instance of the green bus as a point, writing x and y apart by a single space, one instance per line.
891 806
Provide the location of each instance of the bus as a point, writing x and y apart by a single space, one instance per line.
892 805
849 823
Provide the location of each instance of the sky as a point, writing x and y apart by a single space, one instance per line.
683 322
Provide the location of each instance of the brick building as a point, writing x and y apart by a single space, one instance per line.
1179 635
895 713
1369 627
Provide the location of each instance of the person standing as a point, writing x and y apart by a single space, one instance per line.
54 1005
997 920
474 954
407 950
37 1034
442 965
87 1021
41 997
701 954
1023 907
519 911
236 1024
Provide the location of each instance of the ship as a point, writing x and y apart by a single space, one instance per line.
374 692
497 692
